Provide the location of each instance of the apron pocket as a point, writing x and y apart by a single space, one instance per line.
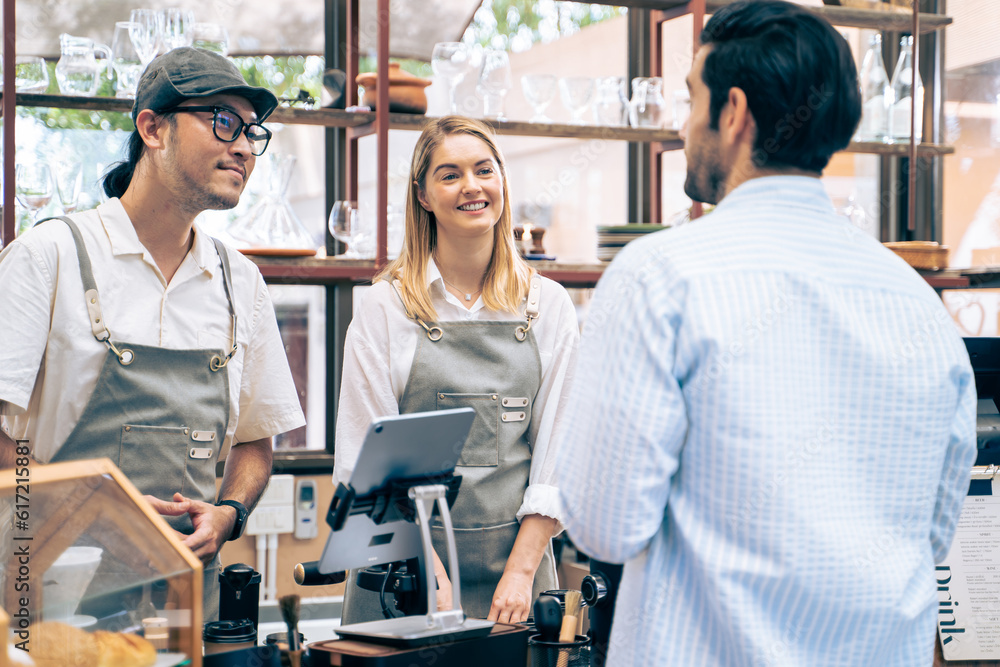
482 448
155 459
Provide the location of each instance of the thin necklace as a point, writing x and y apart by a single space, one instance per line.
468 295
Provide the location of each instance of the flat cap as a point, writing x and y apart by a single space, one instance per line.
188 73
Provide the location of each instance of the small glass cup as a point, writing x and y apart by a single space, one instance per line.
211 37
611 103
31 75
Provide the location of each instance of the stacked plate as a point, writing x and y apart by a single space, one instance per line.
612 239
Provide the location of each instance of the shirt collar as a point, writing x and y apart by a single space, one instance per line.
124 240
434 275
794 191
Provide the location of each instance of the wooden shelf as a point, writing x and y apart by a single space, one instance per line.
900 20
313 270
329 270
363 123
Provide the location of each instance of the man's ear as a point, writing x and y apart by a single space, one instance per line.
152 127
736 120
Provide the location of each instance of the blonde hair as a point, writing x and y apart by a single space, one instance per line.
507 275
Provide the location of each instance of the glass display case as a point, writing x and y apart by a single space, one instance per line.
89 565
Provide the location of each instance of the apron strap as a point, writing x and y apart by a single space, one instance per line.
531 308
93 300
91 297
434 333
218 362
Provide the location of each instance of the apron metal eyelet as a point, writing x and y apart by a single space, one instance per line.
215 363
126 357
435 333
520 333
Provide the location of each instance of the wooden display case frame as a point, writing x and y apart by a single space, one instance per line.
99 490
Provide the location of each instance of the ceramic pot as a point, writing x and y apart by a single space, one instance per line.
406 91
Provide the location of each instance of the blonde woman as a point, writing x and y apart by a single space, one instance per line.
459 319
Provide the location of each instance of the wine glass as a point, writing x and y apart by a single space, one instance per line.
575 92
450 61
494 82
31 75
211 37
69 182
145 32
344 226
34 187
177 28
125 60
539 90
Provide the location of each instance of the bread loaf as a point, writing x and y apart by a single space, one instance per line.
55 644
116 649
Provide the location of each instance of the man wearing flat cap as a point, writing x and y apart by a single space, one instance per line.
129 333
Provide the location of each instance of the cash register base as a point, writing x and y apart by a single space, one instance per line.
505 645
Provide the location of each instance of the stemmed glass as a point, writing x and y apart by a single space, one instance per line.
494 82
125 60
178 27
34 187
539 90
30 74
576 92
344 226
450 61
145 31
69 182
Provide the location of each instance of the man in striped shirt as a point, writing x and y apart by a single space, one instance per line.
773 420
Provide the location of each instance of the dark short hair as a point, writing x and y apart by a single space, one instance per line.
798 75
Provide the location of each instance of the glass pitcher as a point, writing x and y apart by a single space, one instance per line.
77 70
647 107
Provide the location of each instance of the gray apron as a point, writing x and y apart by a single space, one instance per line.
493 367
160 415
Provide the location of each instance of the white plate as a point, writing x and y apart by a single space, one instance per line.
80 621
169 659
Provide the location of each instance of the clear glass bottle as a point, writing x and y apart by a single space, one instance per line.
875 89
902 91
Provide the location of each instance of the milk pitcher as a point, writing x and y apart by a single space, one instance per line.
647 107
77 71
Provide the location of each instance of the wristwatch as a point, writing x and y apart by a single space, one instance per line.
241 517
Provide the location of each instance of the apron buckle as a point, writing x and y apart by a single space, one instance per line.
125 356
217 363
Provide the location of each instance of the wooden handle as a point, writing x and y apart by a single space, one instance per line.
567 633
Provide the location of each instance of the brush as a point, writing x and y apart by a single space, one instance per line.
569 624
289 605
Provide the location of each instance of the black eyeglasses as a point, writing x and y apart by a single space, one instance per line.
228 126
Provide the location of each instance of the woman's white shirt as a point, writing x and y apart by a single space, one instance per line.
378 355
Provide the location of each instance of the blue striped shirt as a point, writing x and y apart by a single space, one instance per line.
772 424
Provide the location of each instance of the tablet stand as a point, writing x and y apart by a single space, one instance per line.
435 626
